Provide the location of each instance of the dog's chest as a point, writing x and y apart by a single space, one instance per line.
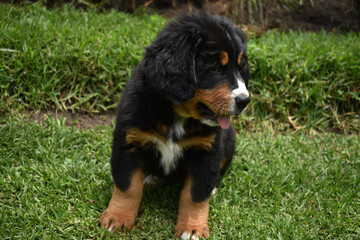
171 150
170 143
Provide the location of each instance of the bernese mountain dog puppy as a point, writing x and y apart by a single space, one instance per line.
173 120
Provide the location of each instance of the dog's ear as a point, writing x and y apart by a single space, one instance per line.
169 62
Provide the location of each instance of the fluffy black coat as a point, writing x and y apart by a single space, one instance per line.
183 59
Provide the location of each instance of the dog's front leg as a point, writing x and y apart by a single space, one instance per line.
124 205
192 218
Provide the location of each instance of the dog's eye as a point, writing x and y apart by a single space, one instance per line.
215 68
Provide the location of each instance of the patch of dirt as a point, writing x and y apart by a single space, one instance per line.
213 7
78 120
311 15
328 15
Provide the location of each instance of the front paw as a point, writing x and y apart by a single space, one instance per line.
192 232
114 221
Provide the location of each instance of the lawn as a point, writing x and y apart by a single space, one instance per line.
79 61
292 176
56 181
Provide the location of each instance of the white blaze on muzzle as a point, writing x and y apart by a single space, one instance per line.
241 90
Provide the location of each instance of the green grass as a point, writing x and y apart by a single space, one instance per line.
79 61
313 77
69 59
56 181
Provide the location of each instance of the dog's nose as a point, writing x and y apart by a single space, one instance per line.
242 101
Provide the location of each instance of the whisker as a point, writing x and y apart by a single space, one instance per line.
220 107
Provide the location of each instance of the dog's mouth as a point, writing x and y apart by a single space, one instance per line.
213 118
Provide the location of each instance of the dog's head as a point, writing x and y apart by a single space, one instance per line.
200 63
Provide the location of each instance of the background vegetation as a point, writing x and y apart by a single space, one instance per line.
79 61
69 59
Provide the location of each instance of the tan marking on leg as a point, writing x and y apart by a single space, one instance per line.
193 216
124 205
224 58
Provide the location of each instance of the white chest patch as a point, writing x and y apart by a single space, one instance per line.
171 151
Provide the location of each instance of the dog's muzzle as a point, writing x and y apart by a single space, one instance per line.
241 102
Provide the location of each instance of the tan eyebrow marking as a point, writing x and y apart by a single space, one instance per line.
224 58
239 58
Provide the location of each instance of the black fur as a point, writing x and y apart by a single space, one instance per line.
183 58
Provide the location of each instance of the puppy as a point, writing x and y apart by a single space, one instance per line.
173 119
